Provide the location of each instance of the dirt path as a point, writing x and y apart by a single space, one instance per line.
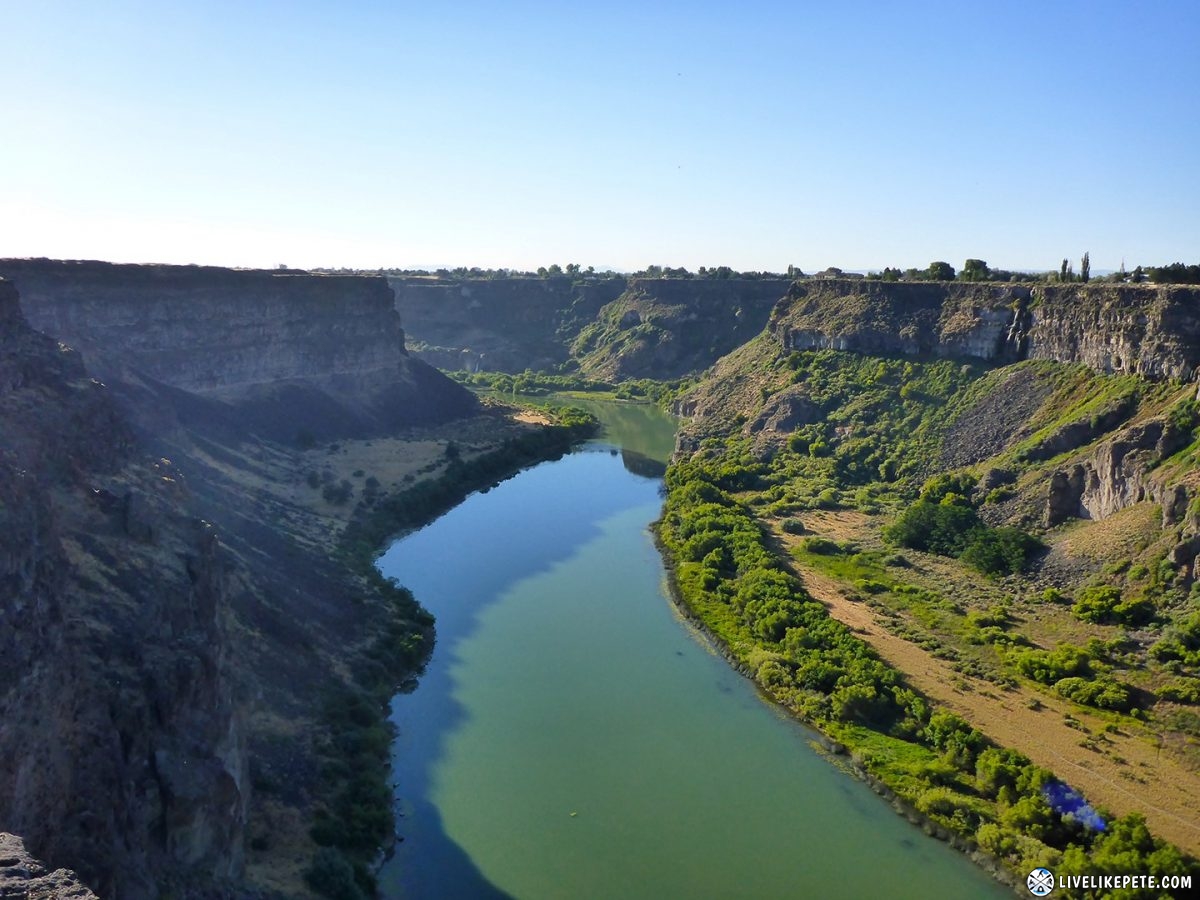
1127 773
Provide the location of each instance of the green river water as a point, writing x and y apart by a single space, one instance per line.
573 737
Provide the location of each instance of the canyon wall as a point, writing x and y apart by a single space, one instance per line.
121 751
666 328
1148 330
609 328
290 351
501 325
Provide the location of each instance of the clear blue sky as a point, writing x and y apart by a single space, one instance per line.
750 134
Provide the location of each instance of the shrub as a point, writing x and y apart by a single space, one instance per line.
939 527
337 494
1051 666
822 546
999 551
939 487
1182 691
793 526
1102 693
1102 604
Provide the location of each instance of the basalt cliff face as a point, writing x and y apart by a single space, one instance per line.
610 328
121 751
278 352
1147 330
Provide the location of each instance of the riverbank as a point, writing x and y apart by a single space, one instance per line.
353 818
928 762
837 753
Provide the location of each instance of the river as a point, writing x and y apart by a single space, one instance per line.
573 737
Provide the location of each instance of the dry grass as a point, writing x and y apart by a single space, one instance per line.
1130 769
1121 536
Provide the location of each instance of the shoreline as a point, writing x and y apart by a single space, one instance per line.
399 652
830 748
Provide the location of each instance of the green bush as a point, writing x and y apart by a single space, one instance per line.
1102 693
940 487
338 494
822 546
1103 605
1051 666
1182 691
999 551
936 526
1181 644
793 526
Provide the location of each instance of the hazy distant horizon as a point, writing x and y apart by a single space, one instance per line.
431 268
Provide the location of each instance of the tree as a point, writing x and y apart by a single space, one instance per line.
940 271
1085 268
974 270
1176 273
1063 273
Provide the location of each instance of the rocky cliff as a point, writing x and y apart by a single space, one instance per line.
1147 330
22 877
121 752
912 318
610 328
280 352
668 328
500 325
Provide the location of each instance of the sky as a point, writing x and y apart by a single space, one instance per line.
756 135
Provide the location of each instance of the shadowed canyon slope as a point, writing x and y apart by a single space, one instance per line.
121 754
172 614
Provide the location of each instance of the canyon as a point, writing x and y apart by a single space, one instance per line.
175 610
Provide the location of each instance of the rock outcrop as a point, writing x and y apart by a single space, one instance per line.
1148 330
23 877
1117 475
666 328
953 319
277 352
